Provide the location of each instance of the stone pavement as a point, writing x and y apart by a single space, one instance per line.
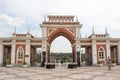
60 73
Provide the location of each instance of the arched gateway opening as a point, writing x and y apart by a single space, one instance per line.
60 34
60 51
61 45
55 26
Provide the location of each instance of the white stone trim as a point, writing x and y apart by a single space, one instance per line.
119 52
13 52
60 26
108 48
44 32
77 30
18 54
94 54
27 59
104 59
1 52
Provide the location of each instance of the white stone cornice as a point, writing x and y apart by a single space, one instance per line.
77 38
44 38
94 41
60 26
20 42
85 38
82 44
107 41
36 44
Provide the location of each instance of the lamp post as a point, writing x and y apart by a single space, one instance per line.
6 55
39 56
57 58
61 58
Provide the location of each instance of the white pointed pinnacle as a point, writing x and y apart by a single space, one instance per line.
28 30
14 30
106 30
93 30
44 18
76 18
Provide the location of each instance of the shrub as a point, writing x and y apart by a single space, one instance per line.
39 59
8 61
25 63
113 61
99 62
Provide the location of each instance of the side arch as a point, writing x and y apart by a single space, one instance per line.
20 55
101 54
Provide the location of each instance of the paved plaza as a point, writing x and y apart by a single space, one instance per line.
60 73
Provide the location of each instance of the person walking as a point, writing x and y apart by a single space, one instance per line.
62 62
109 63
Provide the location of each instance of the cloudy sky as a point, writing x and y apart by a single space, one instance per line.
91 13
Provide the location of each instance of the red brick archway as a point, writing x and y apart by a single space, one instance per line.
61 32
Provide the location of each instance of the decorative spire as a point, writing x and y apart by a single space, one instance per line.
93 30
28 30
76 18
44 18
106 31
14 30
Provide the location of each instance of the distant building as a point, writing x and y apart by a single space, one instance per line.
22 47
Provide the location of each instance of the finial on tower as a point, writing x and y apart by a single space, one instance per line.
76 18
93 30
44 18
28 30
106 30
14 30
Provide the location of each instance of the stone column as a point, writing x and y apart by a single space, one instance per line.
43 54
27 54
108 48
119 52
77 32
44 31
44 45
94 54
78 53
1 52
13 52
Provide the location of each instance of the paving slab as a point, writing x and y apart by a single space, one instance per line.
60 73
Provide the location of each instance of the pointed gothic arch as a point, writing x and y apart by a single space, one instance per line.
20 55
65 33
101 54
61 32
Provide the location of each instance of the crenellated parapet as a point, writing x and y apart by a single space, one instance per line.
59 19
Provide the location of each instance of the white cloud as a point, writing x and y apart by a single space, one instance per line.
17 21
97 13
